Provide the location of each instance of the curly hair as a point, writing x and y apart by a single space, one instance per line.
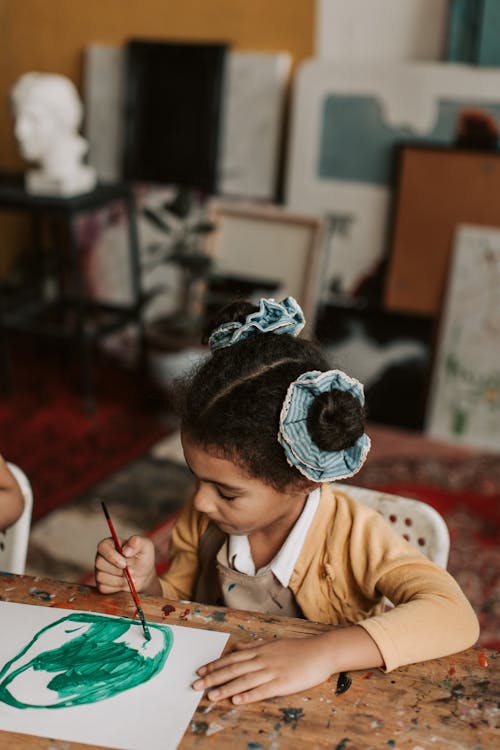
231 403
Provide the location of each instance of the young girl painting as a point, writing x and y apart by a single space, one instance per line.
267 426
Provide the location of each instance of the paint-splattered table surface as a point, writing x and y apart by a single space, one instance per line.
445 703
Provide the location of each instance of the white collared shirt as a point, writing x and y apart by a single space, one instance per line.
282 565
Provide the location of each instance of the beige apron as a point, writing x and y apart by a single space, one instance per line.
220 585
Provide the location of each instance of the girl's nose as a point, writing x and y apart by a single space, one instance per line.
204 499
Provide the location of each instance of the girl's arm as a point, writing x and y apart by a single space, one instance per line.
11 497
265 669
432 618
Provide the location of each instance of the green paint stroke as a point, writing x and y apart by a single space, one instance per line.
83 658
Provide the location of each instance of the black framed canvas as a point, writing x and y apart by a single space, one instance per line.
173 95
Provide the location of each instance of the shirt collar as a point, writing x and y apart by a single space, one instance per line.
282 565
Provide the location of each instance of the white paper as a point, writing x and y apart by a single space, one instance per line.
151 715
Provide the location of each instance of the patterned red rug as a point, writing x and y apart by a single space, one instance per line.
44 429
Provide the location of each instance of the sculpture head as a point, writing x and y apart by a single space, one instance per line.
46 108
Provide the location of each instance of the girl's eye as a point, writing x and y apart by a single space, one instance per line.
226 497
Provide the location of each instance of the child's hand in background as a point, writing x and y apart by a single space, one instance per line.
266 669
138 556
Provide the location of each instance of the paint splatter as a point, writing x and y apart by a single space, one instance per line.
254 746
185 614
213 728
483 661
344 682
167 610
199 727
219 616
367 675
391 743
45 596
451 671
292 715
84 658
342 744
231 586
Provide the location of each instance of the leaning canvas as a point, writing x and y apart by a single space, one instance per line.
346 120
93 678
464 404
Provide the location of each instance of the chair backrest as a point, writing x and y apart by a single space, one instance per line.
417 522
14 541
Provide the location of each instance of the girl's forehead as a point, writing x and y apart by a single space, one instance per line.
205 460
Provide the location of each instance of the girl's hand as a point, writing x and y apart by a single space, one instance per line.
266 669
138 556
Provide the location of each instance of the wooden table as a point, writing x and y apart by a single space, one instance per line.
446 703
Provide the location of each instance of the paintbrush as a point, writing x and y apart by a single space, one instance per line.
126 571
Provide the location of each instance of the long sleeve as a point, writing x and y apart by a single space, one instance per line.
352 558
431 615
180 579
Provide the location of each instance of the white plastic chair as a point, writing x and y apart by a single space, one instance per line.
417 522
14 540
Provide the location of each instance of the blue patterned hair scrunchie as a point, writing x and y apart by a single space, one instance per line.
300 450
271 317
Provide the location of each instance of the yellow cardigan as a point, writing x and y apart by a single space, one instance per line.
350 560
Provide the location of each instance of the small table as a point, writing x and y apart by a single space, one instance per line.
69 314
441 704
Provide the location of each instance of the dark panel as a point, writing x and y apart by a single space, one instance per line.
173 95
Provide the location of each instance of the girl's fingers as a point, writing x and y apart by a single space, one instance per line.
110 582
242 685
110 577
226 673
102 563
224 661
259 693
107 552
136 545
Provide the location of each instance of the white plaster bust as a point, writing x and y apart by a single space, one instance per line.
48 113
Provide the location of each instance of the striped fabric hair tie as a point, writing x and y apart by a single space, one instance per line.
300 450
271 317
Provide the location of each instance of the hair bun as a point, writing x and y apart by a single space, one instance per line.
335 420
235 311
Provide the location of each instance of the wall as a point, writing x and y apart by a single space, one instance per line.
381 30
50 35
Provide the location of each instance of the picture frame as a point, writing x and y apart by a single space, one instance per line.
438 188
464 401
271 245
345 122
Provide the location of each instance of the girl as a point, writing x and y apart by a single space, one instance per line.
266 427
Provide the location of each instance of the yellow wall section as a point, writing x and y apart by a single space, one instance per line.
50 35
